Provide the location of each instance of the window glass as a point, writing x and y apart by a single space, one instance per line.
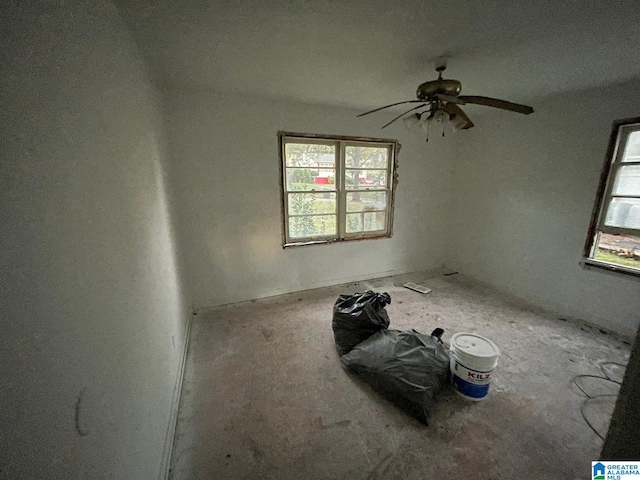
312 226
627 180
366 157
366 201
632 150
618 249
624 212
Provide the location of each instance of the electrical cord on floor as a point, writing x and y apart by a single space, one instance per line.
590 398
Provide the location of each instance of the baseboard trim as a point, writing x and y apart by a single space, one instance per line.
175 404
213 304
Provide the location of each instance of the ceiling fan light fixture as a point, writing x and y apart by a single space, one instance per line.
440 117
437 121
426 123
457 122
411 121
425 127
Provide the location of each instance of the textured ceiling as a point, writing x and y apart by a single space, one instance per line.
368 53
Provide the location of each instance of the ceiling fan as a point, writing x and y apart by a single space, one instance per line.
442 100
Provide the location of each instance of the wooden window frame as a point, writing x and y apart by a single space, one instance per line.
613 161
341 143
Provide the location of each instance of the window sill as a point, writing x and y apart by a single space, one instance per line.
334 240
591 263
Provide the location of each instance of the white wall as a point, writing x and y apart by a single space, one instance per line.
91 305
226 165
524 192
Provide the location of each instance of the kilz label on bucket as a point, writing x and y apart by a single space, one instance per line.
471 383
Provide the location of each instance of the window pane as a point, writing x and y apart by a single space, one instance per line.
309 155
366 222
627 180
311 179
366 201
619 249
372 157
365 179
354 222
306 203
316 226
374 221
632 150
624 212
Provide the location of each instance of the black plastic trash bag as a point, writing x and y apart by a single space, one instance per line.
356 317
407 367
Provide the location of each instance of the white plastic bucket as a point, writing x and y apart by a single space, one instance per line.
473 359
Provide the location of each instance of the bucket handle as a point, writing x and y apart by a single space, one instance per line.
437 333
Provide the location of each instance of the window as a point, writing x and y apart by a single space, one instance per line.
614 234
336 188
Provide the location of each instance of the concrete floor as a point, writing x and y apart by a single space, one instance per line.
265 397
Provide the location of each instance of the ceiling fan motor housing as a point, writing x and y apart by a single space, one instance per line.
440 86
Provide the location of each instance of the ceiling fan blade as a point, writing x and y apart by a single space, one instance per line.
455 111
387 106
449 98
494 102
403 114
